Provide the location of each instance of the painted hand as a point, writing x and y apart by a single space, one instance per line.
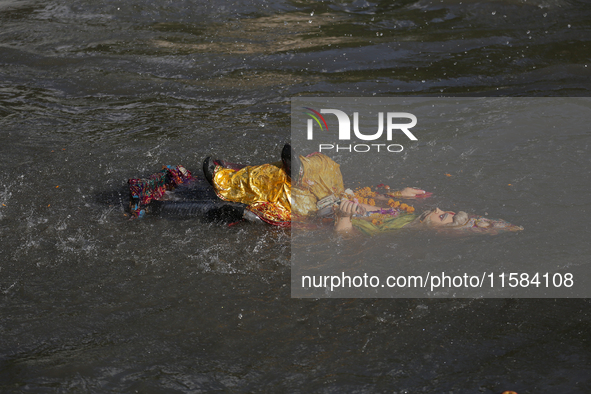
411 192
348 208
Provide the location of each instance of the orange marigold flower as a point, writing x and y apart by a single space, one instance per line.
364 192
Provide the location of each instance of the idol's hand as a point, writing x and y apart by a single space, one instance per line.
411 192
348 208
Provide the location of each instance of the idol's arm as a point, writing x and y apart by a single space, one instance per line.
345 210
407 192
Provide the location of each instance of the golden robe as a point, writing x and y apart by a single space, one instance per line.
267 191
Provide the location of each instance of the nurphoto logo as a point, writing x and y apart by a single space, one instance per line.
344 130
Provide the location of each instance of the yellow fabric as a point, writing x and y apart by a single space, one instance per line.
320 177
271 213
266 189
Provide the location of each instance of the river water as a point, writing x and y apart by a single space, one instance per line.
92 94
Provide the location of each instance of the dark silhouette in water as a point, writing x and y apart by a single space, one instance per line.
175 193
197 200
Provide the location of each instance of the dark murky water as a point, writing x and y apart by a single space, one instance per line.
94 93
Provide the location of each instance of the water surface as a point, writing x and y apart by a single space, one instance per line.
92 94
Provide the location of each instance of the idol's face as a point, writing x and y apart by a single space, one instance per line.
440 218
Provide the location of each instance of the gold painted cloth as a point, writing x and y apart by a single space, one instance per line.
266 189
320 177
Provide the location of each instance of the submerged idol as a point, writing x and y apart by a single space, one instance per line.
297 189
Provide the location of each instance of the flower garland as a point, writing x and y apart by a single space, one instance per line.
403 206
365 195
